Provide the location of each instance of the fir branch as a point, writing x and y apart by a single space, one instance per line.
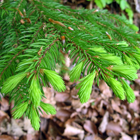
14 57
44 53
103 46
49 47
36 33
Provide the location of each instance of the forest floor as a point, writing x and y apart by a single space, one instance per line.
103 117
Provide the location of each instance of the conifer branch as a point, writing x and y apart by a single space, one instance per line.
34 34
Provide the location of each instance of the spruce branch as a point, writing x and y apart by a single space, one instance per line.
35 35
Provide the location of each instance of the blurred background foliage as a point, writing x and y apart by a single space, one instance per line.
130 9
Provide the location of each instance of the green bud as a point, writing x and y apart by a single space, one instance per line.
76 72
12 82
35 92
130 96
102 54
34 119
134 27
85 86
126 71
131 61
137 57
55 80
19 110
49 109
111 58
116 87
128 60
123 43
98 49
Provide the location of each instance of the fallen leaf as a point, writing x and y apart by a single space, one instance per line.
105 88
61 97
113 129
74 124
115 106
100 108
134 106
16 129
71 131
90 127
104 122
76 104
124 124
63 115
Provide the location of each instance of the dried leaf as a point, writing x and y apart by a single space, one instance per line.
113 129
115 107
61 97
63 115
71 131
134 106
90 127
105 89
104 122
16 129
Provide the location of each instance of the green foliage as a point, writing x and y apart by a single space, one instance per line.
19 110
128 91
85 86
123 5
76 72
126 71
49 109
35 92
35 35
12 82
34 117
55 80
116 87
